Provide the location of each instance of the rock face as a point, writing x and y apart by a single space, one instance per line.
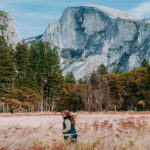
88 36
8 28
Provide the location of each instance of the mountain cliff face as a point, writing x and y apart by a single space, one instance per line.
8 28
88 36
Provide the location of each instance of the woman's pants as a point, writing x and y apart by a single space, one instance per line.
71 138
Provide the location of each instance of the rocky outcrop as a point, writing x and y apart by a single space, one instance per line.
8 28
88 36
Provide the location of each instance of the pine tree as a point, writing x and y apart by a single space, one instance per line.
41 71
41 63
148 78
145 63
6 68
33 67
80 81
54 75
70 78
22 63
34 56
102 69
114 69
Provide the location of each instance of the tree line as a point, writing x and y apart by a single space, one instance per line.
120 91
31 80
30 77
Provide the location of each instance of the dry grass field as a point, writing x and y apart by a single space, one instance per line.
97 131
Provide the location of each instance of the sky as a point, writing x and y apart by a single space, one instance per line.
33 16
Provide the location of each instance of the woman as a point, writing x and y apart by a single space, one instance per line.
69 130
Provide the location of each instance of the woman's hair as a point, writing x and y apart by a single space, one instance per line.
68 113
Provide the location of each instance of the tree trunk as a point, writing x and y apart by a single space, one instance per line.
41 98
42 105
49 102
115 108
3 108
89 93
38 107
108 98
7 108
46 104
52 109
99 94
49 106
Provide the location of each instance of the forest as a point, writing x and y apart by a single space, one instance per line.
31 80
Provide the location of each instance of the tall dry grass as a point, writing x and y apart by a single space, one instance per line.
97 131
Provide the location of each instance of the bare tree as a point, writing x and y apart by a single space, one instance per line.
89 93
99 93
107 95
87 72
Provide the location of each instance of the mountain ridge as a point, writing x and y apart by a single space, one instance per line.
88 36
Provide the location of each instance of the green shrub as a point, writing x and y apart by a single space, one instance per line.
1 110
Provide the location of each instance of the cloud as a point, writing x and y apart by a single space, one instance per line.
142 10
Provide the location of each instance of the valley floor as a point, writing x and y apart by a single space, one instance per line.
97 131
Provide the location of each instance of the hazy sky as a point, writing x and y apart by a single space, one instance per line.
33 16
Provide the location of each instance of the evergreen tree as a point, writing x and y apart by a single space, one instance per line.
32 79
102 70
114 69
6 68
148 78
22 63
70 78
34 56
33 68
145 63
72 97
41 64
80 81
54 75
41 71
94 79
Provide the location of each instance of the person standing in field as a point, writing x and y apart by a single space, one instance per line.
69 131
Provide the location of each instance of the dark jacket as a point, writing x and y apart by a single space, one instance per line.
68 128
